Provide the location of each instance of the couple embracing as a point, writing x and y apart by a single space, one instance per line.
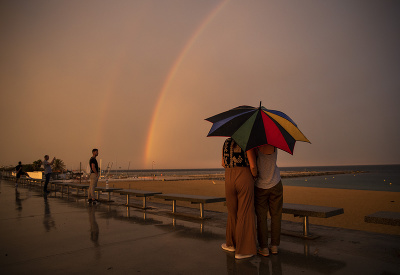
252 187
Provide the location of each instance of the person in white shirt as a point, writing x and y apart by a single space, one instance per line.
268 196
47 171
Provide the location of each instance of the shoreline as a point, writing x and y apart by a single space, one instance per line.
284 174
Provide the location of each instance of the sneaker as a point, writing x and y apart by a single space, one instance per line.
263 251
227 248
96 202
243 256
89 201
274 249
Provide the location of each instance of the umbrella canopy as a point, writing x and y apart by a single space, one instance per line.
252 127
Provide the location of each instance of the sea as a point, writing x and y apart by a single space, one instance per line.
362 177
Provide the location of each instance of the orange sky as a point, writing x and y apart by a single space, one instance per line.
136 79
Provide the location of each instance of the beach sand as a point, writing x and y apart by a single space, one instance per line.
356 203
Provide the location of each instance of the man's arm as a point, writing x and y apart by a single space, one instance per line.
251 155
94 169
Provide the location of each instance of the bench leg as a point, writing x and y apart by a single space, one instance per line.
201 210
173 206
305 227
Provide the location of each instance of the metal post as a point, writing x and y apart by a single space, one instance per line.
201 210
173 206
127 199
305 227
144 202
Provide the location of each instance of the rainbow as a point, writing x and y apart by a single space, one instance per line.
172 72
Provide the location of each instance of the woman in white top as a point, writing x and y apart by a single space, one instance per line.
268 196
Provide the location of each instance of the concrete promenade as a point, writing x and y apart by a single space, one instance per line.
62 234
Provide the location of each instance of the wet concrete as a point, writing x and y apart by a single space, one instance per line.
62 234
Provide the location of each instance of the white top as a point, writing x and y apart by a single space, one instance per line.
268 172
47 167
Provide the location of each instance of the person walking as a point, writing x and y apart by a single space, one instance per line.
239 192
47 172
268 196
94 177
18 173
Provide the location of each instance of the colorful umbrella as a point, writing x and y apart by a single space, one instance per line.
252 127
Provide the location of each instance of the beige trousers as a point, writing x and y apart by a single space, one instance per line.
241 224
92 186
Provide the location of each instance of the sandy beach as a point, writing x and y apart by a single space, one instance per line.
356 203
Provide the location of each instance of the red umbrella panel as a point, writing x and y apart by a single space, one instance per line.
252 127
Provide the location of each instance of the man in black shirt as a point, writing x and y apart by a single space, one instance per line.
94 176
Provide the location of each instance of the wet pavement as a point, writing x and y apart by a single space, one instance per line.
62 234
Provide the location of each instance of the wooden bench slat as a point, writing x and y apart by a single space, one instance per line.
311 210
137 193
384 217
191 198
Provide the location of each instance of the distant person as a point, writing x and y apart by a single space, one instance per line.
239 192
268 196
94 176
47 172
19 172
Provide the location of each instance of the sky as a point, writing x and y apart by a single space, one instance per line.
136 79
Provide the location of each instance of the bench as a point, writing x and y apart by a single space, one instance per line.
384 217
32 181
137 193
105 189
78 187
305 211
62 184
192 198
